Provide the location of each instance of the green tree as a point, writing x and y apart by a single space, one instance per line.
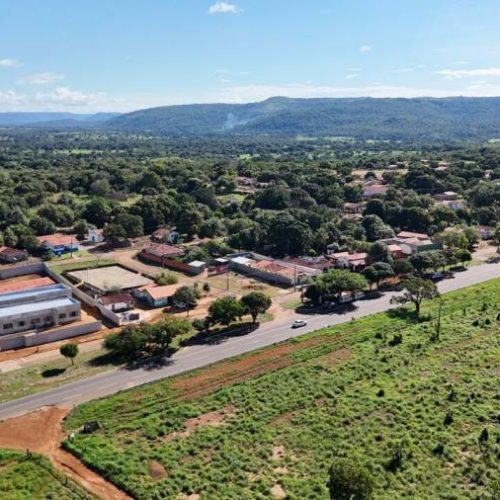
331 285
378 272
349 481
186 297
69 351
256 303
225 310
114 233
416 290
166 279
379 252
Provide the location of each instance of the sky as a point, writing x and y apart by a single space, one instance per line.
87 56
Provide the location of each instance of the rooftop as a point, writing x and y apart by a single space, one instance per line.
57 239
107 279
409 234
160 292
31 307
117 298
163 250
17 286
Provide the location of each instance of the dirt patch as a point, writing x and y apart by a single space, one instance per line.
193 496
277 491
278 452
211 419
230 372
156 470
41 432
283 418
281 470
335 357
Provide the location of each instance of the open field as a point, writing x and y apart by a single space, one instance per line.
78 265
23 477
240 284
422 416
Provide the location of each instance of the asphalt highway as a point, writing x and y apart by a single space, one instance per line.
197 356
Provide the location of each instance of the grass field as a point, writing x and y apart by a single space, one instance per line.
422 416
86 264
28 478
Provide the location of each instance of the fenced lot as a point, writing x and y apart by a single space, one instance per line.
420 415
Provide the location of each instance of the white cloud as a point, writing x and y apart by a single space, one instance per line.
470 73
59 99
223 8
42 78
252 93
365 49
10 63
404 70
351 76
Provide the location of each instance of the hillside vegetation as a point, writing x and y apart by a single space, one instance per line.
365 118
421 415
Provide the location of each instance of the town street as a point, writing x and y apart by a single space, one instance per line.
197 356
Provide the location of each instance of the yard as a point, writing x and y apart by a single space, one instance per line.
422 416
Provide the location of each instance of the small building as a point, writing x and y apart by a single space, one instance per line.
411 235
352 261
160 252
95 235
17 286
197 266
12 255
37 308
117 302
59 243
447 195
459 204
158 296
396 251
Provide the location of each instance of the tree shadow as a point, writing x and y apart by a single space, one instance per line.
218 336
53 372
402 313
108 358
152 363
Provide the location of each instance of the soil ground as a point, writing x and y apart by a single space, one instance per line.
41 432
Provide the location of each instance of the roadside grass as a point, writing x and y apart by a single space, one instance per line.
25 477
29 380
422 416
292 304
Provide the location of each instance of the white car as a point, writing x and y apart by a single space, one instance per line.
298 323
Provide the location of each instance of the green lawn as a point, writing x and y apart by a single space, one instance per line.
87 264
28 478
412 413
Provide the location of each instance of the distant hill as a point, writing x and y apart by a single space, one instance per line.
56 120
364 118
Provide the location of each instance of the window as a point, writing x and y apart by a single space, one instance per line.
8 326
21 323
34 321
48 319
74 314
62 316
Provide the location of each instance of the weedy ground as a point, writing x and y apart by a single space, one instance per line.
422 415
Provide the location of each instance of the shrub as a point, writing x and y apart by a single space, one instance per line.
349 481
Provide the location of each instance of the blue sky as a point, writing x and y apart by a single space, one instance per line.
101 55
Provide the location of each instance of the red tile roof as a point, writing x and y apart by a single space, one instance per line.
161 292
17 286
117 298
162 250
57 239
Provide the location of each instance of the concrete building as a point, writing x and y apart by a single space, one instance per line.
95 235
37 308
117 302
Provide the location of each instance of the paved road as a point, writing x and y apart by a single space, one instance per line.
202 355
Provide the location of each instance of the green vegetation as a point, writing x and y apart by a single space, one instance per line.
24 477
77 266
70 351
418 416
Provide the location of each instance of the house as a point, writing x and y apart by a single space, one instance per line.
353 261
117 302
411 243
374 190
37 308
161 235
159 252
396 251
311 264
11 255
95 235
197 266
59 243
158 296
268 270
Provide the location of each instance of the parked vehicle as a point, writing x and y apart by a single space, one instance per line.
299 323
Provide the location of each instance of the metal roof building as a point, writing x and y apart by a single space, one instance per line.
37 308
